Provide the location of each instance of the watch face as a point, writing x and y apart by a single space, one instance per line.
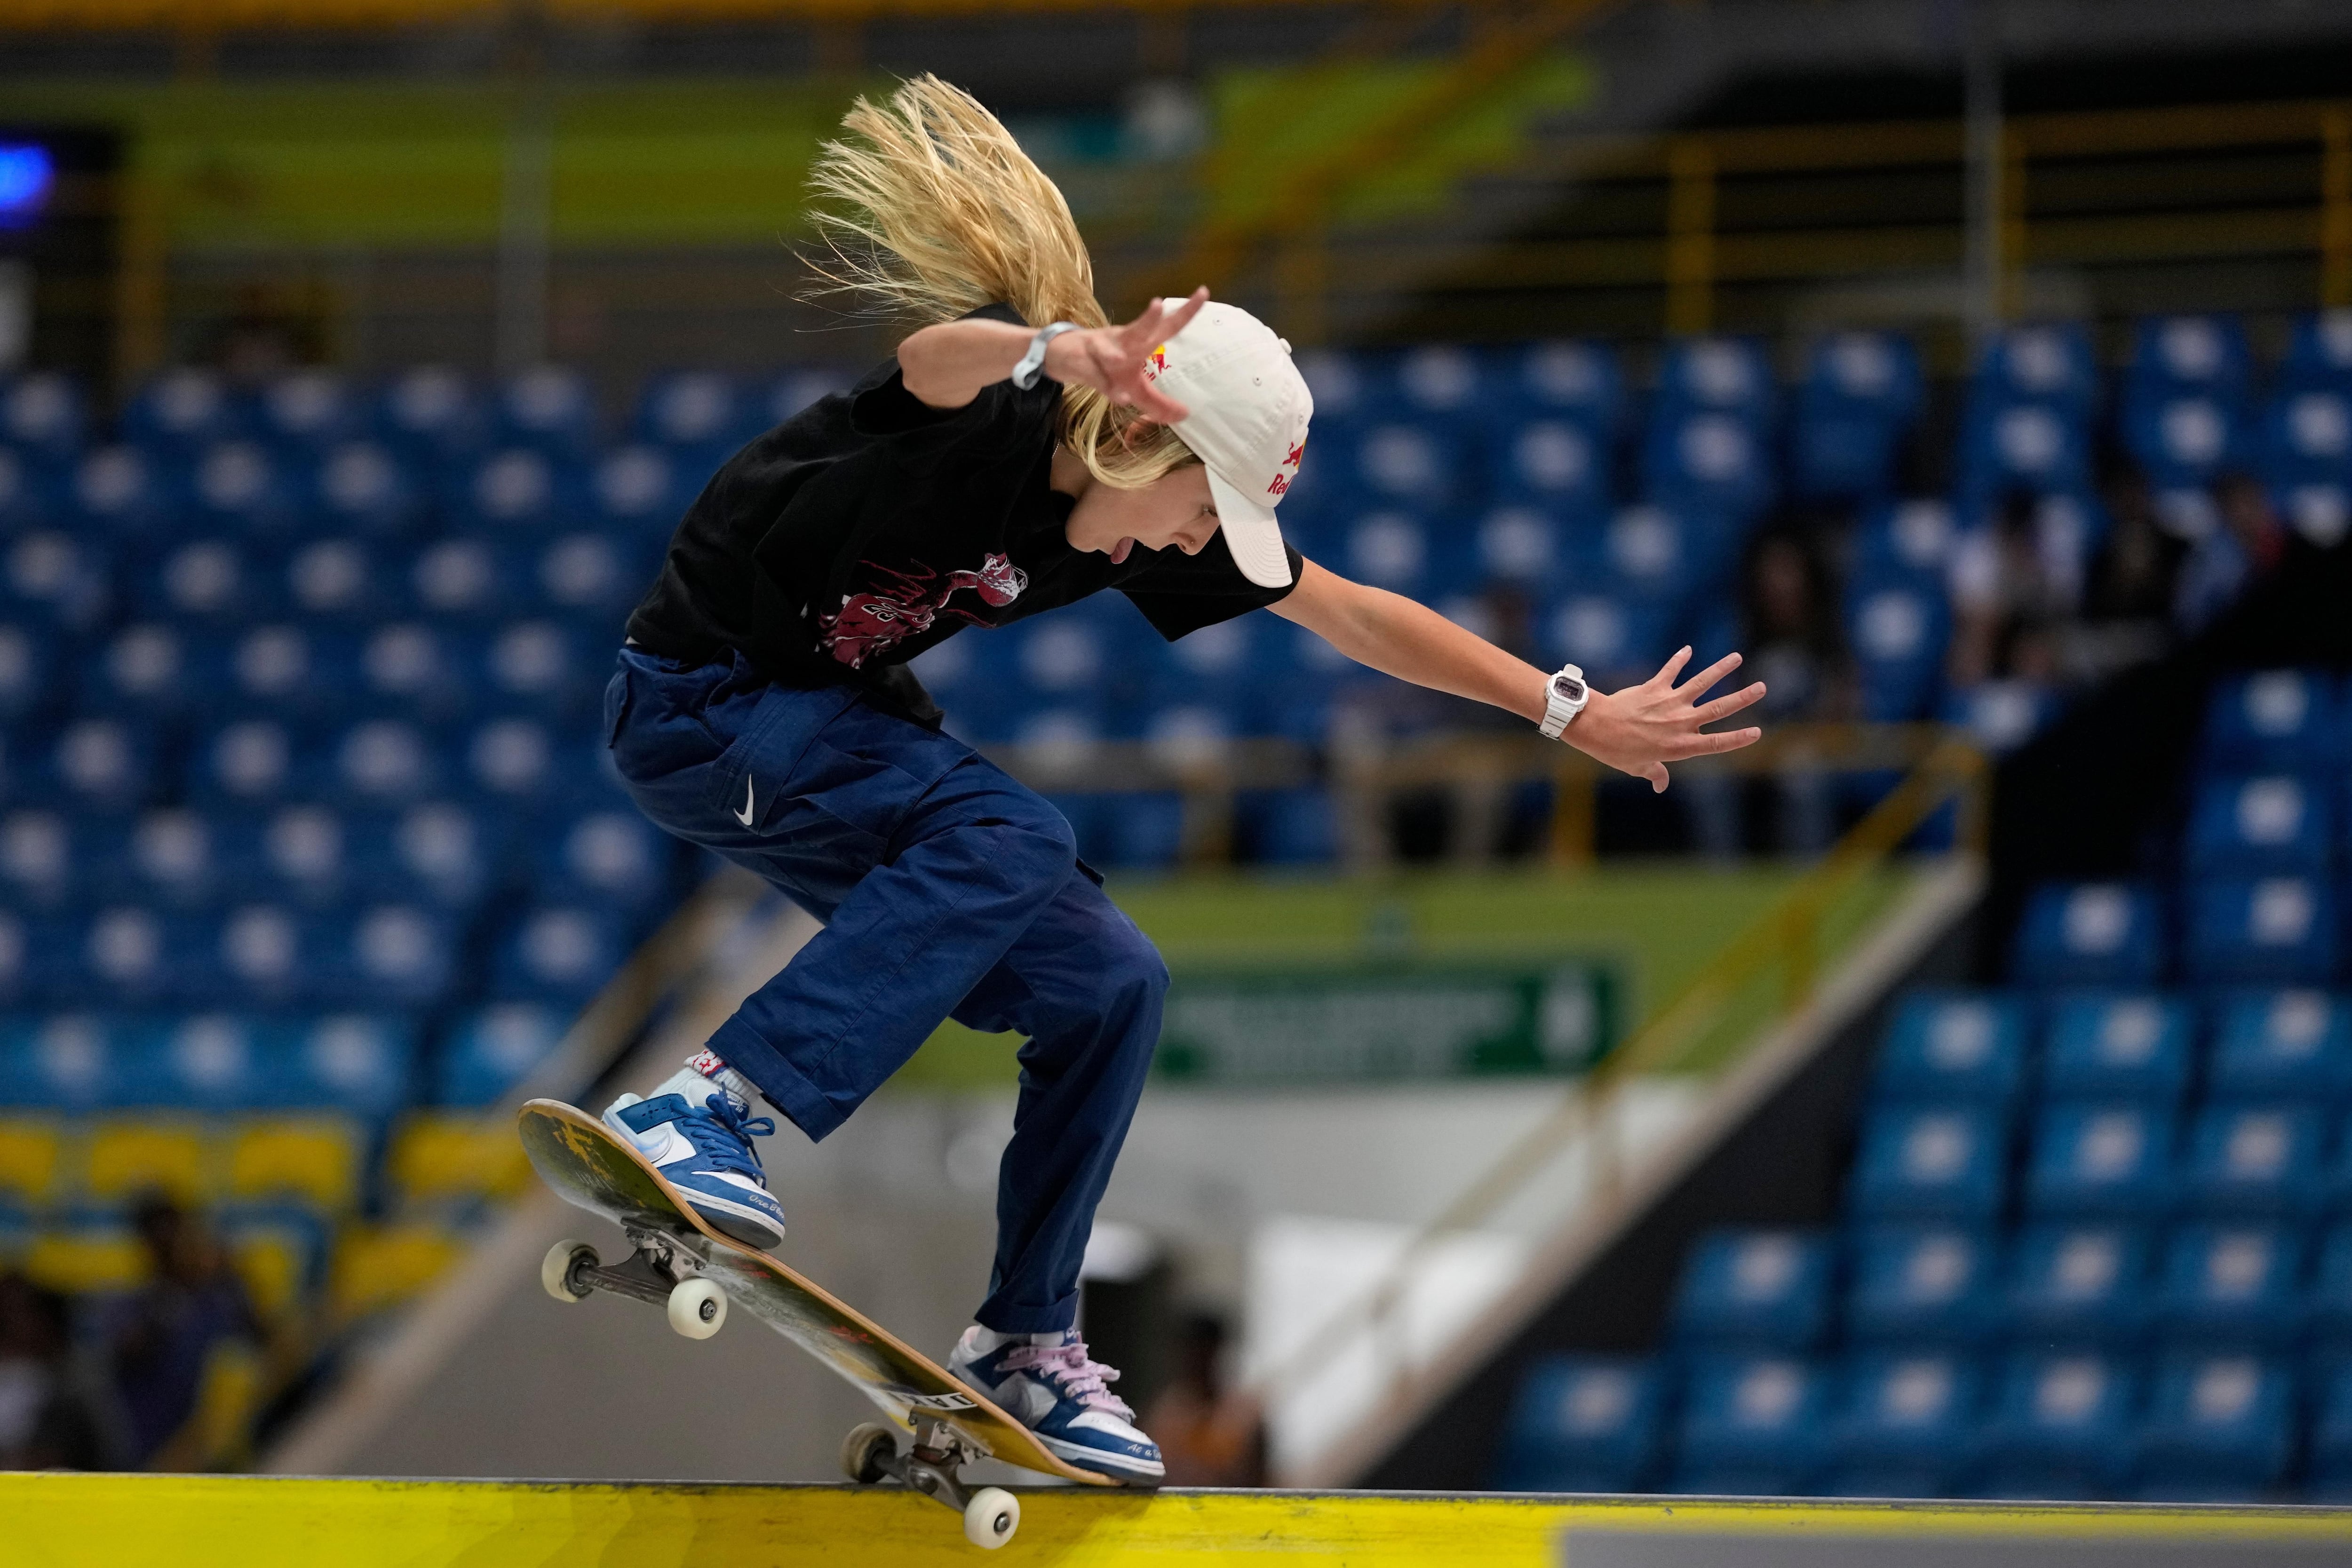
1570 688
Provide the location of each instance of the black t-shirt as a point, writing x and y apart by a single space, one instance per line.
868 528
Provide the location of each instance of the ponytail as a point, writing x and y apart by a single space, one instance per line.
929 210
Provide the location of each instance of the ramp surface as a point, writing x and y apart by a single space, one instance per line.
136 1521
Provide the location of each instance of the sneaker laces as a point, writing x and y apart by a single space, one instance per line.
1074 1376
722 1132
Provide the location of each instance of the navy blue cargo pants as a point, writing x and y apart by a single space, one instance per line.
947 889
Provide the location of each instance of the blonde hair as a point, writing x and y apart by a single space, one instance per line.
930 209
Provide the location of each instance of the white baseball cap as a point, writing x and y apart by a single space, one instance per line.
1248 424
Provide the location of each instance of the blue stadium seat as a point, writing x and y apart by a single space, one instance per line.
2174 354
213 1062
543 668
130 956
1955 1048
2320 513
1898 635
1650 556
2001 716
2040 364
2234 1285
383 764
2089 934
1521 546
1946 1162
2112 1161
2078 1284
2277 823
1766 1289
2029 446
1710 461
44 415
388 956
169 857
1615 642
30 496
1930 1285
515 493
1584 1423
1399 464
1217 666
430 412
338 580
44 860
1717 374
184 409
101 764
2119 1048
1752 1424
2278 720
1439 382
2307 436
1860 394
150 670
512 760
361 1063
1553 462
437 852
699 411
492 1050
2062 1425
244 762
592 580
412 669
558 953
2183 439
2282 1046
616 858
239 487
467 580
287 671
1576 379
215 582
68 1062
2218 1426
1392 550
363 487
2329 1303
48 579
31 680
306 410
550 407
2321 352
117 493
1908 1425
2267 930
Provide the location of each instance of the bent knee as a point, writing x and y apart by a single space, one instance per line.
1130 965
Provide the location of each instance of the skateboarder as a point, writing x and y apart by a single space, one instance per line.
1016 454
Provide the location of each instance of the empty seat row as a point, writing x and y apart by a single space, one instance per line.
2236 931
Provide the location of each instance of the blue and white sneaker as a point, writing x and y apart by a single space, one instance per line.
1055 1390
705 1152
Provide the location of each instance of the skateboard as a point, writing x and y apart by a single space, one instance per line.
692 1271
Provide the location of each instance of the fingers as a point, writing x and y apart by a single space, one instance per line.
1726 706
1707 745
1698 685
1656 773
1672 666
1160 406
1181 317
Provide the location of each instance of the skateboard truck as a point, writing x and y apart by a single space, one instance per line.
659 1271
870 1454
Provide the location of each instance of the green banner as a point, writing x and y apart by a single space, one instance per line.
1392 1022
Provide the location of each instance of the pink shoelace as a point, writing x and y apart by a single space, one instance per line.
1066 1367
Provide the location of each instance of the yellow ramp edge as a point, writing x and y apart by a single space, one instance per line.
104 1521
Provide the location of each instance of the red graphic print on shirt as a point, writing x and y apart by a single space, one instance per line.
868 622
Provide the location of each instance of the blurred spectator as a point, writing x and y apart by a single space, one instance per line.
165 1336
2016 582
2132 576
49 1421
2245 541
1209 1435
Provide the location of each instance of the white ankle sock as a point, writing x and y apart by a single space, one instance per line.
986 1340
703 1075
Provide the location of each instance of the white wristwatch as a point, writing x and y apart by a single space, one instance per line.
1565 695
1024 373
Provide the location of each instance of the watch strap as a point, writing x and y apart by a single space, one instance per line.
1559 710
1032 364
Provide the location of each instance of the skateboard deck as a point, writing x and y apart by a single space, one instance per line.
579 1157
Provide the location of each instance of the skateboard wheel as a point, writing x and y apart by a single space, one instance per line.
991 1518
555 1269
863 1451
697 1308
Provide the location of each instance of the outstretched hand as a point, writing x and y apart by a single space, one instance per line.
1643 728
1112 360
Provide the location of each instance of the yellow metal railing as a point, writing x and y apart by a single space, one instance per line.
1783 943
